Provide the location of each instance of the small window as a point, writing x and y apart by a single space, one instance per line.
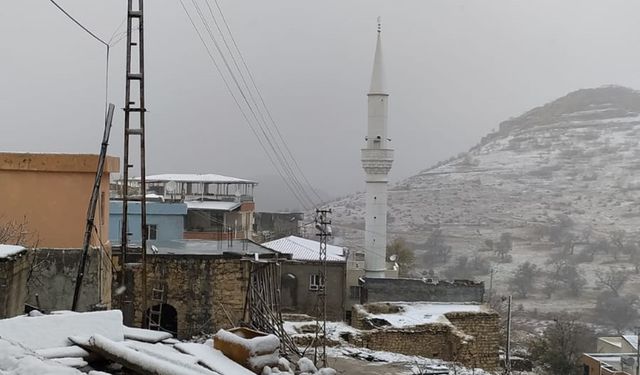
316 282
354 292
152 231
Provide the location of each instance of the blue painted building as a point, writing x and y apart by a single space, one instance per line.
165 221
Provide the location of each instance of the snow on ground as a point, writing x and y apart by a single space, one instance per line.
418 313
412 362
10 250
334 329
53 331
18 360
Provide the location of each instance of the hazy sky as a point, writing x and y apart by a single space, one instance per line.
455 69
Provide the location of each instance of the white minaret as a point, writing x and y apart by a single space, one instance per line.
377 158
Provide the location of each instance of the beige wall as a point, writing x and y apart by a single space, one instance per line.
51 192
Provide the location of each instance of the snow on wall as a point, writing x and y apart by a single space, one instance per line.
53 331
10 250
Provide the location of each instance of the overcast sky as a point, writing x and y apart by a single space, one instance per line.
455 69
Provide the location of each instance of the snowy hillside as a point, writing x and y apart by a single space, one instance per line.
572 164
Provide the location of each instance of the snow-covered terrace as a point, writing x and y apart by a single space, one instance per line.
410 314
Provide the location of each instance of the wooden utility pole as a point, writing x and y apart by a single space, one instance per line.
93 202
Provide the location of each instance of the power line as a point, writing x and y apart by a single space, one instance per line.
279 153
281 166
263 102
242 112
79 24
246 97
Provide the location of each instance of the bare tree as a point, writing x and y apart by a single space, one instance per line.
613 279
406 258
14 232
621 312
617 240
523 279
436 247
559 348
504 246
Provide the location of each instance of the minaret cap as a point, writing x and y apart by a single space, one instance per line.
378 82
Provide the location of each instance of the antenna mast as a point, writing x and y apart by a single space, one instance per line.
134 80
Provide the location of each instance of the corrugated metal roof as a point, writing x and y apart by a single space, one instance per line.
304 249
212 205
205 178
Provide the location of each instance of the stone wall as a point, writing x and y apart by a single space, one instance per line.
484 327
207 292
411 290
14 271
53 279
470 338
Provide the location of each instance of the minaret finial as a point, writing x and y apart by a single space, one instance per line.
379 24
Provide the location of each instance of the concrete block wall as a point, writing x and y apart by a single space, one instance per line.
54 275
14 271
410 290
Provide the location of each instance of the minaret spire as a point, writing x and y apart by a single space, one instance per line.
378 83
377 158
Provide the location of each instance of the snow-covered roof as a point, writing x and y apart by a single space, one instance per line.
418 313
204 178
304 249
10 250
212 205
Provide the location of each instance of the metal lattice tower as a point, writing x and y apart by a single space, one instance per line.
134 109
324 231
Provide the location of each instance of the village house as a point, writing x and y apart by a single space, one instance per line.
269 226
301 279
165 220
218 207
608 363
48 195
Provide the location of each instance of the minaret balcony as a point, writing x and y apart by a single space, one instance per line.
377 161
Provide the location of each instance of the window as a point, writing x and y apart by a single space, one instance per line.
354 292
316 282
152 231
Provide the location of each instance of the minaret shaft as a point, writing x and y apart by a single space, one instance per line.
377 158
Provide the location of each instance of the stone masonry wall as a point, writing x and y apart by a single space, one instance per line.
482 351
208 293
472 338
14 271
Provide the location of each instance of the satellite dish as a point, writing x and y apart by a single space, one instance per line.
628 361
171 187
393 258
